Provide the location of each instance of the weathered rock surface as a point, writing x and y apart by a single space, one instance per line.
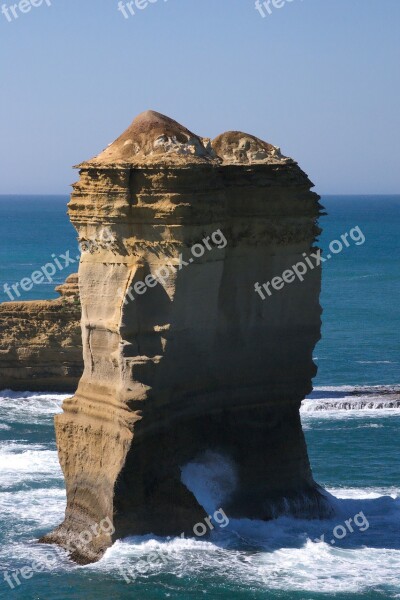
41 343
197 362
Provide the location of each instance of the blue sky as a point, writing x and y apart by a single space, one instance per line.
319 78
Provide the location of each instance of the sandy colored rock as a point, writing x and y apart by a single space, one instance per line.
236 147
153 138
197 363
40 342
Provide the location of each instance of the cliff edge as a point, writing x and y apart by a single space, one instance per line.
40 342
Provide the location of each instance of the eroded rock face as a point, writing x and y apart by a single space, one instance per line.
237 148
40 342
197 363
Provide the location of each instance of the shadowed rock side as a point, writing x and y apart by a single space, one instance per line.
198 362
40 342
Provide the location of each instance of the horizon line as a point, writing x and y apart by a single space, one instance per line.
394 194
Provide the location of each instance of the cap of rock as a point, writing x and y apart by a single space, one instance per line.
238 148
154 139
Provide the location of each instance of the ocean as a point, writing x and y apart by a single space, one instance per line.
351 422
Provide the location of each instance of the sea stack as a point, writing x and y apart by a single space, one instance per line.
183 359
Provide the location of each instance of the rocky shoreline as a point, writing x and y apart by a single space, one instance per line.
41 342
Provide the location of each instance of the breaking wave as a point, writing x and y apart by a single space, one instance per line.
29 407
281 557
350 398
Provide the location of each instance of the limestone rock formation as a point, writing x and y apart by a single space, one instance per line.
40 342
197 362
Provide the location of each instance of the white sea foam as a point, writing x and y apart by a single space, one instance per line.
324 569
211 478
30 513
280 555
331 401
27 463
351 403
376 362
275 555
12 395
364 493
16 554
311 567
43 506
29 407
263 555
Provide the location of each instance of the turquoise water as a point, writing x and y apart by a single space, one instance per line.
34 231
360 292
355 454
352 430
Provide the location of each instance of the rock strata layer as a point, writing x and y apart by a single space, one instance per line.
197 363
40 342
